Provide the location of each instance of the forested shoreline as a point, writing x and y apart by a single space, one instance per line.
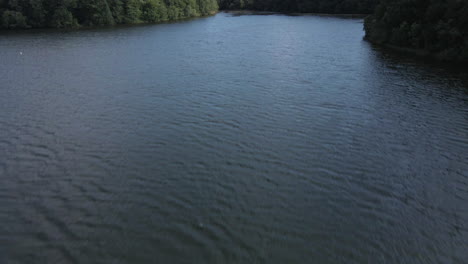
438 28
16 14
302 6
435 27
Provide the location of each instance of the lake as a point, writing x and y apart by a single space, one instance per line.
229 139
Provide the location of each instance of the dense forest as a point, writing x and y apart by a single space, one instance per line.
75 13
437 27
303 6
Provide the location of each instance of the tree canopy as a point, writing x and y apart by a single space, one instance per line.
74 13
438 27
303 6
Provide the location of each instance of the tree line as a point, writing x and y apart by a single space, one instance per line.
75 13
437 27
303 6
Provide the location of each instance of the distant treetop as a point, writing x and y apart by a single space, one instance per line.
74 13
303 6
438 27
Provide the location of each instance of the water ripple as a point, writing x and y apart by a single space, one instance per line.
261 145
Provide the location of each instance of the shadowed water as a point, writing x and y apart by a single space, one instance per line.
229 139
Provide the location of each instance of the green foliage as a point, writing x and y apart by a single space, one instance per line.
62 18
94 12
132 11
13 19
36 13
75 13
303 6
154 11
117 10
437 26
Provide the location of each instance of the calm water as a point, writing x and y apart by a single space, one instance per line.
250 139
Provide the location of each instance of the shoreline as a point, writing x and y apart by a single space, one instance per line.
417 53
265 13
232 12
81 27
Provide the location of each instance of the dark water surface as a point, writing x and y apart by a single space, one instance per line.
249 139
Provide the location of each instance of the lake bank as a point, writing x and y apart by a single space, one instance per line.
419 53
83 13
254 12
103 27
